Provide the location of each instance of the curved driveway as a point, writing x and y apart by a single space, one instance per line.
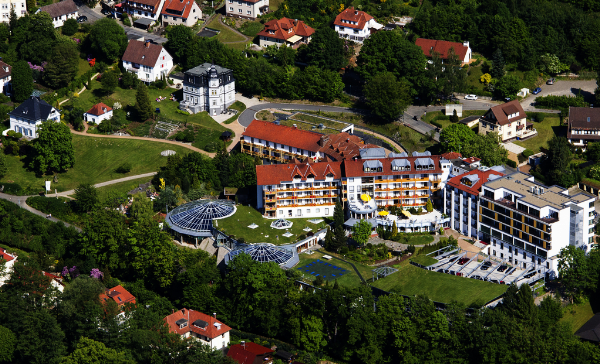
248 115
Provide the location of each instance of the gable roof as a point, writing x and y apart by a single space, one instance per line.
578 118
355 168
500 114
61 8
118 294
270 174
351 15
179 8
5 69
99 109
248 352
6 256
286 28
452 155
34 109
442 47
153 3
477 176
197 322
145 53
590 331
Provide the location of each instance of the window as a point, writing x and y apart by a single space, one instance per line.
239 10
249 12
326 211
231 8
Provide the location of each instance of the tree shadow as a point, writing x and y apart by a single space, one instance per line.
587 95
560 130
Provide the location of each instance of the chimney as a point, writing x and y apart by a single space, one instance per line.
295 126
148 43
466 43
215 315
244 344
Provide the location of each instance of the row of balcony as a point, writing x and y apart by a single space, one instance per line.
304 197
271 208
403 188
273 190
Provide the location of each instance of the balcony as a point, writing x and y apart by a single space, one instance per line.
270 208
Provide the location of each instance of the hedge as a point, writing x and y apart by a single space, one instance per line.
511 163
527 153
434 122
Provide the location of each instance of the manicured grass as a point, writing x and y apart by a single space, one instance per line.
577 315
240 107
424 260
417 239
306 126
546 130
122 188
95 161
84 66
251 28
237 225
445 123
226 34
351 279
411 280
275 4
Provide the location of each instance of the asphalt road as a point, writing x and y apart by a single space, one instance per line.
562 88
248 115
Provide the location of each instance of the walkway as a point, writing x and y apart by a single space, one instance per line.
238 129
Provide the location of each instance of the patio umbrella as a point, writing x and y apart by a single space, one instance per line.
365 197
383 213
406 213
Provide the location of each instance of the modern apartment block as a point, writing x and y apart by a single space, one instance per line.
249 9
528 223
311 189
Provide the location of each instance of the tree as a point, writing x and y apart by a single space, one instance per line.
593 151
328 241
63 65
22 81
361 231
108 38
338 215
3 166
454 117
8 341
573 271
550 63
456 137
109 82
70 27
428 206
558 163
40 338
387 96
87 197
508 86
286 56
179 37
487 148
38 38
326 50
141 207
497 70
486 78
89 351
53 148
142 102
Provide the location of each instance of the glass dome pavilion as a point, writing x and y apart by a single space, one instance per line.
195 219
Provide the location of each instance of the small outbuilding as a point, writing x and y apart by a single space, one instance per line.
98 113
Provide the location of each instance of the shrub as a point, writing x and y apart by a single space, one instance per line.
70 27
436 123
124 168
126 20
527 153
511 163
344 250
560 102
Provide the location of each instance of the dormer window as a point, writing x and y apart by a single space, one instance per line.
143 57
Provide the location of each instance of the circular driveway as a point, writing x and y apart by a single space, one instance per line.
563 88
248 115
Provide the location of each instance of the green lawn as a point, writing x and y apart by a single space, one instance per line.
424 260
84 66
411 280
226 34
546 130
351 279
237 225
274 4
414 239
240 107
95 161
121 188
445 123
577 315
413 141
251 28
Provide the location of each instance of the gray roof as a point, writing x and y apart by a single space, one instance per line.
203 69
472 177
370 153
144 21
424 162
61 8
400 163
372 164
33 109
498 169
421 154
397 155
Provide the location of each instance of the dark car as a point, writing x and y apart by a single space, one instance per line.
82 19
105 12
550 81
453 259
537 91
112 16
502 268
485 267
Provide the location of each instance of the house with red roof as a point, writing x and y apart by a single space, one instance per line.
8 261
250 353
508 120
248 9
148 10
98 113
461 198
291 32
284 144
197 325
148 60
181 12
355 25
443 47
119 295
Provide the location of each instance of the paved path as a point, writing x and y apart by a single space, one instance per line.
238 129
562 88
107 183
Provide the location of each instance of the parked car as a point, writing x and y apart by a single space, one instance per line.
537 91
112 16
550 81
452 259
470 97
502 268
485 267
82 19
105 11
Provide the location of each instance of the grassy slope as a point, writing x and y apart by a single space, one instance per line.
577 315
546 130
95 161
226 34
440 287
238 225
351 279
424 260
122 187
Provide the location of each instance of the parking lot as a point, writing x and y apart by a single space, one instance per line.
563 88
480 266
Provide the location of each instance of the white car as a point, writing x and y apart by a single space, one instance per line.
470 97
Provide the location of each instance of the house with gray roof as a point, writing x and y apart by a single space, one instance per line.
28 116
60 12
208 87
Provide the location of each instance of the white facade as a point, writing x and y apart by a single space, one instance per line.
462 207
28 127
59 21
20 7
246 9
97 119
162 67
296 198
150 10
208 88
349 30
8 266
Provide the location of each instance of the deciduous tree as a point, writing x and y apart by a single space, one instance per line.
53 148
70 27
108 39
89 351
326 50
109 82
386 96
179 38
8 341
22 81
87 197
456 137
361 231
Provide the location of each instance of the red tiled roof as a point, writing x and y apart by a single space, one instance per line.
247 353
451 155
144 53
5 69
360 17
476 188
183 6
154 3
501 113
285 28
442 47
99 109
118 294
471 160
343 145
6 256
273 174
354 168
210 331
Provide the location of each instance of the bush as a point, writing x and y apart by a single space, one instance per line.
344 250
511 163
124 168
560 102
49 205
442 117
70 27
527 153
126 20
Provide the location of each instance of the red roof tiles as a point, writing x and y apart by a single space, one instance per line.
476 188
179 8
6 256
273 174
248 352
451 155
286 28
118 294
99 109
442 47
352 18
144 53
471 160
211 330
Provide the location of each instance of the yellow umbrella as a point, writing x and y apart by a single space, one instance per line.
383 213
406 213
365 197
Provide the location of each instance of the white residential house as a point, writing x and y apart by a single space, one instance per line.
181 12
5 77
8 260
206 329
355 25
28 116
60 12
208 88
149 61
249 9
98 113
20 7
146 9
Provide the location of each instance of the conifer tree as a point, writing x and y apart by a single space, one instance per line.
142 102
